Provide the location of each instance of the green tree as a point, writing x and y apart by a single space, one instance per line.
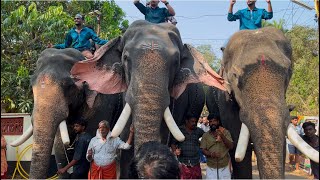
303 90
277 24
209 56
26 29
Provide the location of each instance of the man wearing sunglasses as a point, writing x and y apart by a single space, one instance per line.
79 38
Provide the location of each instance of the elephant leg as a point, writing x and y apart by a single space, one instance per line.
126 155
243 169
60 155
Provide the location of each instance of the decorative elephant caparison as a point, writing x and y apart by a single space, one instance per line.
150 65
257 64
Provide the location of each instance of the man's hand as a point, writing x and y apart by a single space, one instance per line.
90 152
215 154
131 129
164 1
232 2
50 45
268 1
62 170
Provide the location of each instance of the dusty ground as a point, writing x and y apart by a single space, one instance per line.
289 174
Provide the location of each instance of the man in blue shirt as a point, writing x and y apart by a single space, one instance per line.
251 17
79 162
153 13
79 38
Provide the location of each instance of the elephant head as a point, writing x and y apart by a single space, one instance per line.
257 64
58 101
149 63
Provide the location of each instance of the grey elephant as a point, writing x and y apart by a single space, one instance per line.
153 67
149 74
58 102
257 65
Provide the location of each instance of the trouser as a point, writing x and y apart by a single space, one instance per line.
221 173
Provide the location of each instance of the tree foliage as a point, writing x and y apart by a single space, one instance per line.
209 56
303 90
26 29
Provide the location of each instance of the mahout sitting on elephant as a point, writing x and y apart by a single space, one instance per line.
258 66
148 70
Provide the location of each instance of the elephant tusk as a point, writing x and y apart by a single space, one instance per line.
299 143
25 136
64 133
242 143
177 134
122 121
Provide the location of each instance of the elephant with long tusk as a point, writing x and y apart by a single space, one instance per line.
258 66
147 78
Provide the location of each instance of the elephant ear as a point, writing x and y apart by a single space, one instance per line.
103 73
195 69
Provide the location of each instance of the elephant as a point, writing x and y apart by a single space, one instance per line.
146 77
257 67
153 67
58 99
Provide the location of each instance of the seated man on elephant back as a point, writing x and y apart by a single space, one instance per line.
79 38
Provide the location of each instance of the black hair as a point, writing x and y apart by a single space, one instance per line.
293 117
81 121
214 116
154 160
308 123
190 116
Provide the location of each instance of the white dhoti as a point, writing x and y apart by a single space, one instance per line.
222 173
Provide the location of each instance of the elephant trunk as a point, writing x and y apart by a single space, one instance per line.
268 137
265 112
47 117
147 116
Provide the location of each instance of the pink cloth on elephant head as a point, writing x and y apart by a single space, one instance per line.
202 73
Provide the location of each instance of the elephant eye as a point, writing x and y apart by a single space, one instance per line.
125 57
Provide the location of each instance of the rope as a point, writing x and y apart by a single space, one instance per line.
19 167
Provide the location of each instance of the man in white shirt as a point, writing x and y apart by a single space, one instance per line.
102 152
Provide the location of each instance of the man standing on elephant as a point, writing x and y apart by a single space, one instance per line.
216 144
102 152
79 38
153 13
251 17
79 162
188 150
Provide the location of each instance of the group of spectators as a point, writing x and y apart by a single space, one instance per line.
308 133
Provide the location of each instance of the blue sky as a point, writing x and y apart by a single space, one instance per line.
205 22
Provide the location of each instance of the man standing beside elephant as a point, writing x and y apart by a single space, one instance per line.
216 144
188 150
102 152
153 13
79 162
251 17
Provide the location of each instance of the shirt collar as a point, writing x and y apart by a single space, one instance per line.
254 9
99 136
